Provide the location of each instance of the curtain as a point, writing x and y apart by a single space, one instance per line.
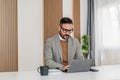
90 29
107 32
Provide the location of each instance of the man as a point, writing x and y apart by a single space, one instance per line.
62 48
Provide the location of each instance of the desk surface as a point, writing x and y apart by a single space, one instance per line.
111 72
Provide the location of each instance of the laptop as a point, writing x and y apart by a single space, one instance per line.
80 65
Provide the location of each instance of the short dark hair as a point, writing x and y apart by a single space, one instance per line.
65 20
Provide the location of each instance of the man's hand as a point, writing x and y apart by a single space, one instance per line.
65 68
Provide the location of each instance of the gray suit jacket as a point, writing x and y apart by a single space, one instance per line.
53 52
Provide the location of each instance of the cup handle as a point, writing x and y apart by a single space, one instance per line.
38 69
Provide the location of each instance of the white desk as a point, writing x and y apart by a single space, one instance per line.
105 73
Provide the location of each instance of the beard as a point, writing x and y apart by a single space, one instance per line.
64 36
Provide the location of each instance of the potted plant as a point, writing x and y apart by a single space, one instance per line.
85 45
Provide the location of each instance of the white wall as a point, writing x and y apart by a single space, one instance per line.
67 8
83 16
30 34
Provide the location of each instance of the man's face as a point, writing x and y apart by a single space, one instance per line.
66 30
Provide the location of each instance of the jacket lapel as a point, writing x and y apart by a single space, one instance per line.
58 45
70 49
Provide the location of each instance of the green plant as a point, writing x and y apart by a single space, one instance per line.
85 45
